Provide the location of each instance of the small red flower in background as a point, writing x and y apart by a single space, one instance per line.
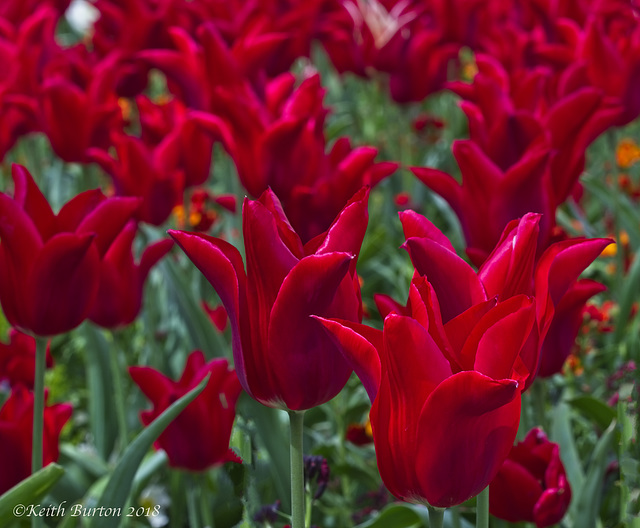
217 315
199 437
531 485
18 358
16 434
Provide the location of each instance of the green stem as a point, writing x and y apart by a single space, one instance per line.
38 413
482 509
436 517
456 522
539 393
192 505
205 505
296 422
121 413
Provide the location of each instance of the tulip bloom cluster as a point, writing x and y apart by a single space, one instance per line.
458 355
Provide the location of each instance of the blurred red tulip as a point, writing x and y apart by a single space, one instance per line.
199 437
283 358
18 359
119 296
531 485
16 435
50 264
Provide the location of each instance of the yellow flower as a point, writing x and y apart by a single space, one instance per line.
627 153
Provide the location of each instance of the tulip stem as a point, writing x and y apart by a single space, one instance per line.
38 413
482 509
436 517
121 413
296 422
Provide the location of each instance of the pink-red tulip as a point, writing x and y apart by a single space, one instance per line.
283 358
50 264
531 485
16 435
18 359
199 437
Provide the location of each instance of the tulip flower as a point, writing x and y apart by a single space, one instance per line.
50 264
531 485
283 358
433 386
121 280
199 437
18 359
16 417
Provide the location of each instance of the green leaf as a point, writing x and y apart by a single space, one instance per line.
594 409
561 434
399 516
118 488
586 505
28 492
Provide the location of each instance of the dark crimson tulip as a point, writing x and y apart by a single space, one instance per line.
50 264
199 437
122 280
18 359
531 485
16 422
435 385
283 358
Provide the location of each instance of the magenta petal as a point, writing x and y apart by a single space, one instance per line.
309 368
33 202
513 493
222 266
152 255
360 345
467 428
75 210
454 281
415 225
64 283
108 219
153 384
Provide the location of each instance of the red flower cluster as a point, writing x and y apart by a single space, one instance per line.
210 416
458 355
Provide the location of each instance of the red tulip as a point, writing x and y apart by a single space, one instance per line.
150 174
16 435
199 437
531 485
50 264
122 280
77 117
18 359
283 358
434 386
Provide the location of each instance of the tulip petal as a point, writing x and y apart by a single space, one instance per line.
467 428
297 345
33 202
360 345
222 266
454 281
509 503
64 283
